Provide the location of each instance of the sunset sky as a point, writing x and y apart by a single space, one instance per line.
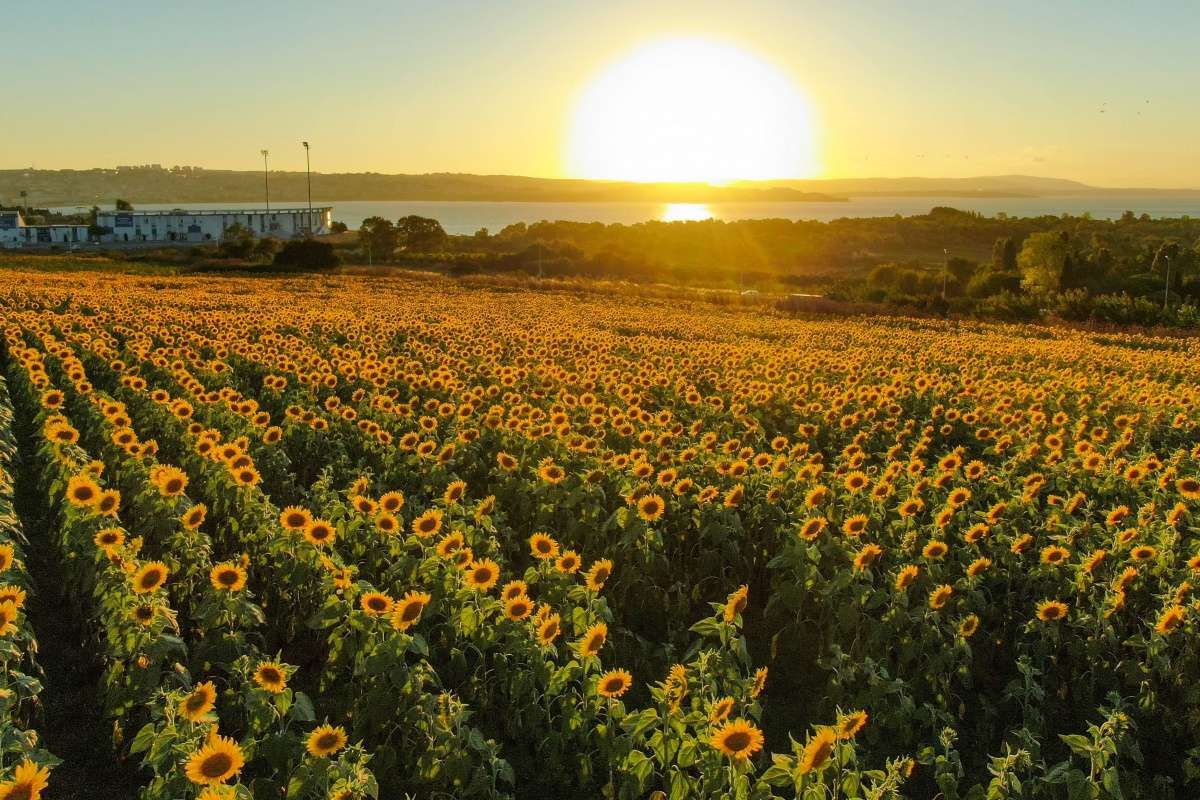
1102 93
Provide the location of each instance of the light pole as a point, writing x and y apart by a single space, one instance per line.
1167 288
266 178
945 270
25 201
308 175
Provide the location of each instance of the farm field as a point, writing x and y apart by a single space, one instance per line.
341 537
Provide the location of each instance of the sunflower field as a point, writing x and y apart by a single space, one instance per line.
347 537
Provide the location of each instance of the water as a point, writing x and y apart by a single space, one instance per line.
464 217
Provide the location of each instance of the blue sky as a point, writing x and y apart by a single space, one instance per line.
928 88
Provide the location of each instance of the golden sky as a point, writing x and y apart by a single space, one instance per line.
1098 93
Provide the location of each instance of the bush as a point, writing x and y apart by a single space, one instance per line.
1010 306
306 254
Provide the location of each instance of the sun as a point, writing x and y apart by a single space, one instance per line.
691 110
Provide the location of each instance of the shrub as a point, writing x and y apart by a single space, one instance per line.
306 254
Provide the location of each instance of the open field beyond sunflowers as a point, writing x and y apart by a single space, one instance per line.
347 538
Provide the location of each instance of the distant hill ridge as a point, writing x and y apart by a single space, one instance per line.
155 184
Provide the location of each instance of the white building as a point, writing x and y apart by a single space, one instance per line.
179 225
15 232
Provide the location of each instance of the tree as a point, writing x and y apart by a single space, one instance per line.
124 205
1004 255
337 226
1042 260
236 242
961 270
378 237
421 234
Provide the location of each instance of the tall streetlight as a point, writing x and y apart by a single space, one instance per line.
308 175
1167 288
945 270
266 178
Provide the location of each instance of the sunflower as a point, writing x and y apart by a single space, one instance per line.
407 610
227 577
720 711
506 462
8 617
216 762
548 629
978 566
454 492
326 740
867 556
363 505
295 519
375 604
849 725
171 481
272 676
108 538
1051 610
817 751
1143 552
320 532
194 516
27 782
598 574
855 482
246 476
1189 488
427 524
614 683
542 546
735 604
12 594
968 626
568 563
392 502
738 739
935 550
387 523
143 614
513 589
812 528
906 576
1171 620
551 473
82 491
593 640
1055 555
651 507
483 574
149 577
449 544
518 608
939 596
199 702
855 526
109 503
760 682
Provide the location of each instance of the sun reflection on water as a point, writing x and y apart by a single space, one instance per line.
685 212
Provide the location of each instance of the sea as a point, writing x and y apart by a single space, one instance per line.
467 217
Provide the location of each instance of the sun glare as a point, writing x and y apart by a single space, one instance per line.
691 110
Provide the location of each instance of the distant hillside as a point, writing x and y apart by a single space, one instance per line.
194 185
982 186
154 184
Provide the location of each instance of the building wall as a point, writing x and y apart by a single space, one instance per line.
43 235
210 226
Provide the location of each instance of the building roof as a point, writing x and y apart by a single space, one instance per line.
218 211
